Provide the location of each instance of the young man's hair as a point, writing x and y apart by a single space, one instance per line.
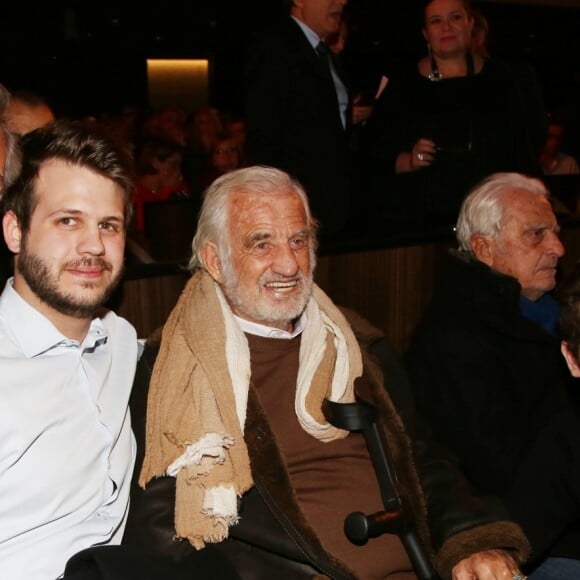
66 141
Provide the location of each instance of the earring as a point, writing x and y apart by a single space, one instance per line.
434 75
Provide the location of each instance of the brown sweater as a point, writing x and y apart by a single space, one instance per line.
324 475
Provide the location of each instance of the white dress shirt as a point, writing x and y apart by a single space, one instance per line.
269 331
66 447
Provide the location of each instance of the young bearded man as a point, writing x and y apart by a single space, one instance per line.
66 363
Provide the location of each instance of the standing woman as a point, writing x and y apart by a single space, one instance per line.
454 117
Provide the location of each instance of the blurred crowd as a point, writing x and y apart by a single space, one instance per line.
401 161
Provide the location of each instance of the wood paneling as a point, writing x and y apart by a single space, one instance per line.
391 287
146 302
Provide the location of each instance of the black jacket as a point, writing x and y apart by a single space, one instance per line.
494 387
273 538
293 120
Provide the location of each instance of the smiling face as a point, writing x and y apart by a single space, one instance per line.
322 16
267 278
528 247
448 27
71 258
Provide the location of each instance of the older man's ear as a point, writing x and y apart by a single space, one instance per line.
212 261
571 360
480 246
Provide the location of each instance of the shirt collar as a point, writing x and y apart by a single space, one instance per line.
269 332
34 332
312 37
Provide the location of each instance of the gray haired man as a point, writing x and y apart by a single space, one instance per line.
486 367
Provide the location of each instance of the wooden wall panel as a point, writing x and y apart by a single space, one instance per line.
391 287
146 302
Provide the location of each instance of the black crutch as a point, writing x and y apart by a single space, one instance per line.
358 527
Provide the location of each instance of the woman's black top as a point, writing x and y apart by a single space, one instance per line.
481 124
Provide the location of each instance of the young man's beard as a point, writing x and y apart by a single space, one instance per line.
45 284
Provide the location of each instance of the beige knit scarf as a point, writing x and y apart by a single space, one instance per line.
198 396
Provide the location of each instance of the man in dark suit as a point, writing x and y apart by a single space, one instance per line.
297 108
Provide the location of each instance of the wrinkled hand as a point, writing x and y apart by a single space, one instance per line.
487 565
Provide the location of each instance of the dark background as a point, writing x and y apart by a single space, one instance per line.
89 57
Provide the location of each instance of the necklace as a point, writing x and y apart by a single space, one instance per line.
436 75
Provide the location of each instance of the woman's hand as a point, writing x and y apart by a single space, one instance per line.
421 155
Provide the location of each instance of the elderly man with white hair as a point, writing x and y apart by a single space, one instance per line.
486 367
236 456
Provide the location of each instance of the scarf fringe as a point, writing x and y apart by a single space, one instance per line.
210 445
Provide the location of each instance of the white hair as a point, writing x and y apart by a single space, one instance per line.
482 210
212 225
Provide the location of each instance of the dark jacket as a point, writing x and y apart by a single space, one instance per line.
293 120
273 538
494 387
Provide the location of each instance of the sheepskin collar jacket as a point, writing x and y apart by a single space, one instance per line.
273 538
